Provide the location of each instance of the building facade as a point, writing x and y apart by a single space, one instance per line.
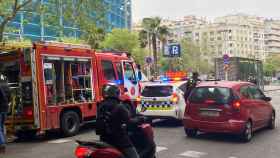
272 36
235 35
118 16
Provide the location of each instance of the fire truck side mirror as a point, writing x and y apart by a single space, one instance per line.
139 75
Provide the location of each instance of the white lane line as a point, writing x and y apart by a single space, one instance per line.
232 157
161 148
59 141
193 154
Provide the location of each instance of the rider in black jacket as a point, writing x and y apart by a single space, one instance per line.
191 84
117 117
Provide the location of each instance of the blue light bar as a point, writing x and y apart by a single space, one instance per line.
119 82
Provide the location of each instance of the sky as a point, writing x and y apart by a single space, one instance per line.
174 9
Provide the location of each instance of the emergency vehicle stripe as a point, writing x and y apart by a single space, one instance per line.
165 105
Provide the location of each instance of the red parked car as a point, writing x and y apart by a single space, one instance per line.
228 107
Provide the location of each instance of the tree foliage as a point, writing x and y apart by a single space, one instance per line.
121 39
272 65
8 11
153 31
191 59
124 40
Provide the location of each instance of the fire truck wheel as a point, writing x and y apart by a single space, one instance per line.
70 123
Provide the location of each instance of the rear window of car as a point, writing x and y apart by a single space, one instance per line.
157 91
220 95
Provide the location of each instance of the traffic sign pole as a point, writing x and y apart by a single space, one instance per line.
226 65
149 71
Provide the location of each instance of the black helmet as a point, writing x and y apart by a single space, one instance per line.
110 90
195 74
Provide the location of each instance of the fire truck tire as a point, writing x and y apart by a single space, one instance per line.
70 123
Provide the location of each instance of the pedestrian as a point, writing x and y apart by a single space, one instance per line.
112 120
191 84
4 106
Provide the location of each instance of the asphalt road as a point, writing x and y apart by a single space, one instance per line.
171 143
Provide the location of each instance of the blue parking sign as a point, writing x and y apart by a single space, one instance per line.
172 50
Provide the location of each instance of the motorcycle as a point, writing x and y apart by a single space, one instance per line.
142 137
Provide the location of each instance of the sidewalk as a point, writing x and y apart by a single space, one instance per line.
271 87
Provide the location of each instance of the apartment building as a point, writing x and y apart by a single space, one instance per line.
237 35
272 36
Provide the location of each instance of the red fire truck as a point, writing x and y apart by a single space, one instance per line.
58 86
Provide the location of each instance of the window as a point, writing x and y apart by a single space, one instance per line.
119 71
244 92
129 72
256 93
183 87
108 70
67 80
157 91
219 94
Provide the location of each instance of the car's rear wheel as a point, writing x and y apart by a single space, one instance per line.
247 134
190 132
271 124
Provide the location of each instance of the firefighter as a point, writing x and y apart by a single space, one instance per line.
191 84
4 106
112 120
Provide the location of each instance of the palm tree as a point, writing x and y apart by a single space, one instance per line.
163 35
154 31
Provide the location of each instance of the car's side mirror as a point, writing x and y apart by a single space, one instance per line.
134 82
267 99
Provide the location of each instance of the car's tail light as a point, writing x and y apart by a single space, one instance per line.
236 105
82 152
174 98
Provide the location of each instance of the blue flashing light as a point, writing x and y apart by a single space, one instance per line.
164 79
119 82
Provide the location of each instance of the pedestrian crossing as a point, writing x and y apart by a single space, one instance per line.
188 153
193 154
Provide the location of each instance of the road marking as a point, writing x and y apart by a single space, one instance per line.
193 154
232 157
59 141
161 148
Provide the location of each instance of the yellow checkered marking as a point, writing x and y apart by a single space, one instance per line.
157 105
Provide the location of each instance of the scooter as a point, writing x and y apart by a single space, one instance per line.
142 137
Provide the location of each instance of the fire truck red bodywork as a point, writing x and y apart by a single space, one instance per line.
41 116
